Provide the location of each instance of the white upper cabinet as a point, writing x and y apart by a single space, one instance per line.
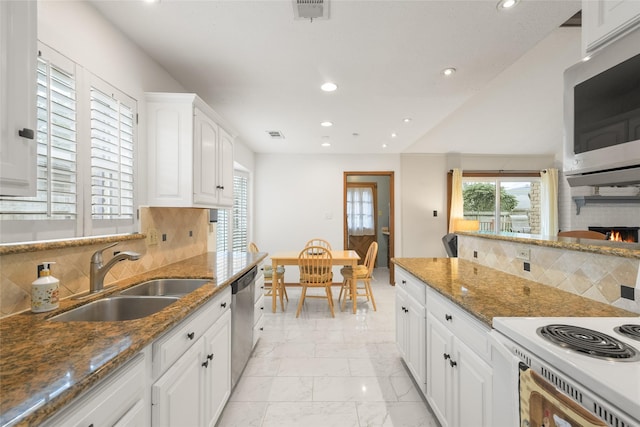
604 21
18 55
190 155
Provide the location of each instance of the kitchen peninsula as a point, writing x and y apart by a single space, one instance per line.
45 365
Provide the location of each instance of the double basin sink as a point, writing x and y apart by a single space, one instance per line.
135 302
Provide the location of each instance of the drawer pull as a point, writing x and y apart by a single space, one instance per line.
446 356
262 329
453 363
448 317
210 356
205 363
223 305
404 282
191 335
261 308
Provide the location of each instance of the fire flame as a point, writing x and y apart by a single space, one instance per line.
616 236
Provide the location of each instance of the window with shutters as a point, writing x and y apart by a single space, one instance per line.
232 228
85 158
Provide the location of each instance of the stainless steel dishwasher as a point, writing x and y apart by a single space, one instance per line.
241 323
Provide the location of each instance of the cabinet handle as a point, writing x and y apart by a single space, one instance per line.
261 308
448 317
262 329
190 335
220 187
453 363
26 133
223 305
404 282
446 356
210 356
205 363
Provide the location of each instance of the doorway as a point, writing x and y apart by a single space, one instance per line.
369 203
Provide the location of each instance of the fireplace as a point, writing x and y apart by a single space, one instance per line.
619 234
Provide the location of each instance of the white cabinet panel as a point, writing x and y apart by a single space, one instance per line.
18 54
604 21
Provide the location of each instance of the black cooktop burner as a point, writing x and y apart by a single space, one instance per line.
589 342
630 331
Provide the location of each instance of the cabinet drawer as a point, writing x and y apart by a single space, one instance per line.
258 310
111 400
259 288
414 287
467 329
167 349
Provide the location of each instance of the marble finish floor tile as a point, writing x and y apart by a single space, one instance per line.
319 371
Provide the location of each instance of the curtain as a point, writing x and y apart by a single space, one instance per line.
457 204
360 220
549 202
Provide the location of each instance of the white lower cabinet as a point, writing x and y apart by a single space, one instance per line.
119 400
459 389
195 388
259 305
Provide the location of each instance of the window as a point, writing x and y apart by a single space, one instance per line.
360 210
83 188
56 149
503 203
232 229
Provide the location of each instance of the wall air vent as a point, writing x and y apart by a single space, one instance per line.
275 134
311 9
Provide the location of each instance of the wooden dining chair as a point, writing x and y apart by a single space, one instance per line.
315 263
359 273
319 242
280 289
583 234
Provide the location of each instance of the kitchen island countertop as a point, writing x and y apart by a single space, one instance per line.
45 365
487 293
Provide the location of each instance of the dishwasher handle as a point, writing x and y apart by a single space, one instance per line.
244 281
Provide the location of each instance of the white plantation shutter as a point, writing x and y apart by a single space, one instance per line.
112 155
56 196
232 229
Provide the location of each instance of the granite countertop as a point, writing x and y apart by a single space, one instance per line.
487 293
45 365
603 247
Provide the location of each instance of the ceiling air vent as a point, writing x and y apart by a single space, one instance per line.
275 134
311 9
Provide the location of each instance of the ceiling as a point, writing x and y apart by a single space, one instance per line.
261 69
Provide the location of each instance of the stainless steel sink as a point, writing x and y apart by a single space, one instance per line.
116 309
162 287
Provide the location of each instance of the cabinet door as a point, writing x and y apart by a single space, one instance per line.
177 397
606 20
401 322
439 393
18 53
416 341
225 152
472 388
205 160
135 417
218 354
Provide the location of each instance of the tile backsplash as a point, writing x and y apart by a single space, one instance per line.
595 276
186 232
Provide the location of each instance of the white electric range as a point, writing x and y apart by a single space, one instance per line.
607 385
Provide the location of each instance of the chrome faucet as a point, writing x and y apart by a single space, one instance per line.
99 271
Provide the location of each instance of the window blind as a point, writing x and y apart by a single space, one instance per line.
112 159
232 229
56 196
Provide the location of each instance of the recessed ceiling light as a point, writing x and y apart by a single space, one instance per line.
329 87
384 145
326 144
393 135
448 71
506 4
326 124
406 119
152 1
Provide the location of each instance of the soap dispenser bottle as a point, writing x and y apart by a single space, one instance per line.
44 290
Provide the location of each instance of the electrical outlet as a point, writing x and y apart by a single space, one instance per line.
524 253
152 237
475 254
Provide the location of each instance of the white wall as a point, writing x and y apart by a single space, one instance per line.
299 197
79 32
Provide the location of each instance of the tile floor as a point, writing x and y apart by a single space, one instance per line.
322 371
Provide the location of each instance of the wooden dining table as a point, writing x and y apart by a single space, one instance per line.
291 258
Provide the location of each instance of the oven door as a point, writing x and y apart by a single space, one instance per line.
541 404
